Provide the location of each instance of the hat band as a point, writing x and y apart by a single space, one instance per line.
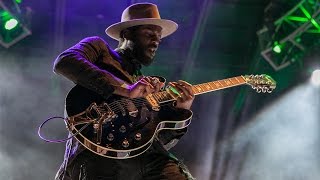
140 13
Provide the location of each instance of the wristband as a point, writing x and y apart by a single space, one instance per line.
124 85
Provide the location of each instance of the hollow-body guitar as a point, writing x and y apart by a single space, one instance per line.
122 128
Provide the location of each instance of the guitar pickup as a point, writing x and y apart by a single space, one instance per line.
153 102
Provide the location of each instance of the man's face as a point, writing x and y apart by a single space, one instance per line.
146 40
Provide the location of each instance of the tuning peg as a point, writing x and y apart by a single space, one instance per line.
264 90
269 90
258 90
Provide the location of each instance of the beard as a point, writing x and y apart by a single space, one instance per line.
144 54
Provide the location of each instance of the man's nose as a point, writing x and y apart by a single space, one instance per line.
156 40
155 43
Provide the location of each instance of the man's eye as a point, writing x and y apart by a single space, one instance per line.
149 35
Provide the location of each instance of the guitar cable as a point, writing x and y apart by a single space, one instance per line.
59 140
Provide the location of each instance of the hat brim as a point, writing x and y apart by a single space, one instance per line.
168 26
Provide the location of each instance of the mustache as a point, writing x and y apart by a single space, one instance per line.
153 47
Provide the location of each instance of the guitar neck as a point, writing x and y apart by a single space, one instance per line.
164 96
217 85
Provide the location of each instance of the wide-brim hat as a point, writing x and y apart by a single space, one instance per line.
141 14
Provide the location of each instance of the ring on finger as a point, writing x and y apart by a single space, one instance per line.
155 80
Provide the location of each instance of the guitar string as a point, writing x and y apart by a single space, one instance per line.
115 107
124 101
138 102
120 105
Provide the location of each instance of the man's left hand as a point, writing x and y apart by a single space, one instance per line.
186 94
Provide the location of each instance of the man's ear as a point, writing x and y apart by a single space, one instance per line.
127 34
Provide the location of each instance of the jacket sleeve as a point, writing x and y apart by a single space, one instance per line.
78 64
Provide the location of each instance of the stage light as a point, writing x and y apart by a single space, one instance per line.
10 24
14 25
315 77
296 31
277 47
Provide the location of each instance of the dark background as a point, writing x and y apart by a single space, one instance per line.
236 133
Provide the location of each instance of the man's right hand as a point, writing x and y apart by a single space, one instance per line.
146 85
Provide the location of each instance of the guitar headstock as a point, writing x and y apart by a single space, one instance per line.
261 83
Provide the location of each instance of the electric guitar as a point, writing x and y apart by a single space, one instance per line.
121 128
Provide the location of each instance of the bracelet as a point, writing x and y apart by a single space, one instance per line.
124 85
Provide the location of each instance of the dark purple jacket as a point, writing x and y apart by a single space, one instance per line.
86 63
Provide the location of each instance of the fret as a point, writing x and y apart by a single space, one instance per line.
228 82
163 96
160 94
193 89
220 82
213 84
241 79
157 96
234 81
196 89
200 87
204 88
167 96
217 84
208 86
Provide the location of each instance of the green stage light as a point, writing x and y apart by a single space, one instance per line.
10 24
292 35
13 23
277 47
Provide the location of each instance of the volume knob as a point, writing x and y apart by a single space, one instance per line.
123 129
110 137
125 143
137 137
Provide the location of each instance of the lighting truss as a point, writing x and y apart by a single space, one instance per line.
291 35
10 37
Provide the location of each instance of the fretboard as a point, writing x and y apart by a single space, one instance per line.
217 85
163 96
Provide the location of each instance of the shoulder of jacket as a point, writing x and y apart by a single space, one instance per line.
95 39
